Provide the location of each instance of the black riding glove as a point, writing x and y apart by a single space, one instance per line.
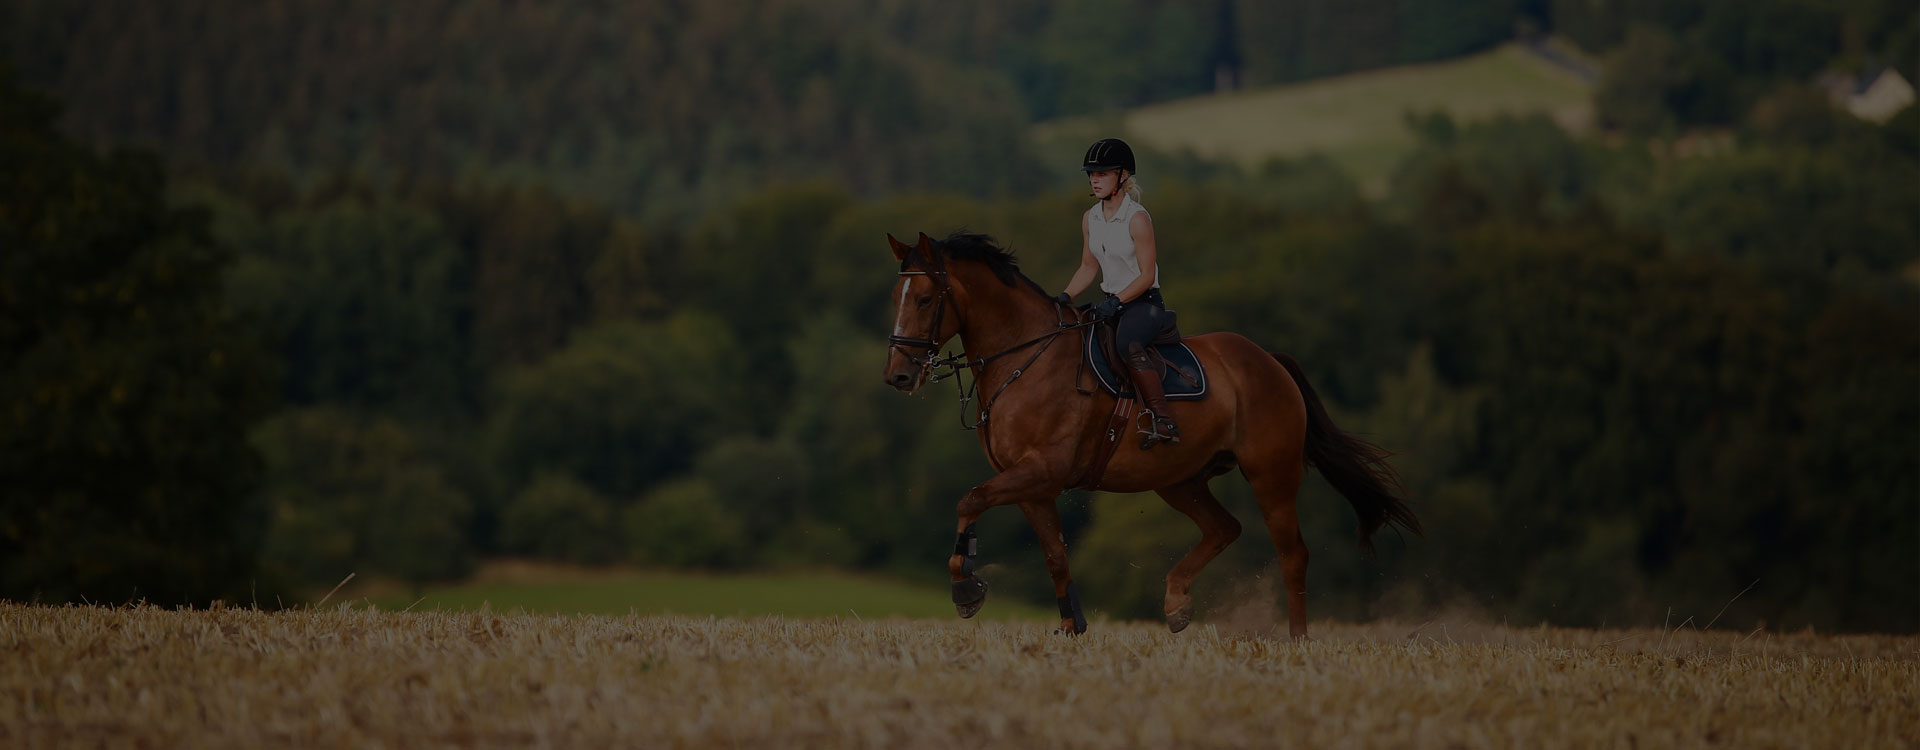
1064 299
1108 307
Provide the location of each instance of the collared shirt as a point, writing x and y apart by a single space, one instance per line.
1111 241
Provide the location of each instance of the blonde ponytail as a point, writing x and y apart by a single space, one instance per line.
1131 186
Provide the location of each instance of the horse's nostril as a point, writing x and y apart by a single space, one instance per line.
901 380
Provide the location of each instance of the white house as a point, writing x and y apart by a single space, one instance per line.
1876 97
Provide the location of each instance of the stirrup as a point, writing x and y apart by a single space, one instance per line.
1159 429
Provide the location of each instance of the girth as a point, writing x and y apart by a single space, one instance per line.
1123 411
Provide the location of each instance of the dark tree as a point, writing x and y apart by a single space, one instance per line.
125 391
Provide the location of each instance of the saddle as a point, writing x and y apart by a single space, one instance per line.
1181 376
1181 373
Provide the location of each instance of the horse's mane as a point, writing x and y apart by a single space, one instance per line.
964 245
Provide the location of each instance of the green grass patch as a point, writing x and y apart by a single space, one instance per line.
1357 120
810 594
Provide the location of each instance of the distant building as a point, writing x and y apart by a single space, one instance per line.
1876 96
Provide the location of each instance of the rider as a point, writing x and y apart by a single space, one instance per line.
1116 241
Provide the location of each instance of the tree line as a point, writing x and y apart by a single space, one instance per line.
1621 377
664 109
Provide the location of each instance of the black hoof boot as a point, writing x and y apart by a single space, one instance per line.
1070 613
969 596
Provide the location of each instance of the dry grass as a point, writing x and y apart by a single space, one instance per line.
354 677
551 588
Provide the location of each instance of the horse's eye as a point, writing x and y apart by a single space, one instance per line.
924 301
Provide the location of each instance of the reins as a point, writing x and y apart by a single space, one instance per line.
932 364
958 362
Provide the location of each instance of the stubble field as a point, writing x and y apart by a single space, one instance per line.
143 676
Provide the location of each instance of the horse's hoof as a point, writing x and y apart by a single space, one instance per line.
969 596
1179 619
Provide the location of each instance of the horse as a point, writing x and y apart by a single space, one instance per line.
1043 435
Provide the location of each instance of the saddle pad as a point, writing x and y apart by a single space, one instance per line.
1177 386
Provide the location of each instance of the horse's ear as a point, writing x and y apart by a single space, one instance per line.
899 248
926 245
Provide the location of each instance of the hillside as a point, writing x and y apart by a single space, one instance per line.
1359 120
666 109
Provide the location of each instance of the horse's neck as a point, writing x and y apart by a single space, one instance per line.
1003 318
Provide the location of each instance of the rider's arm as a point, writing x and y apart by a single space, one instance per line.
1144 251
1089 266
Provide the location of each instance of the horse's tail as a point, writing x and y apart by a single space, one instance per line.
1356 468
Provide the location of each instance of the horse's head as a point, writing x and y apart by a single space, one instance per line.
924 316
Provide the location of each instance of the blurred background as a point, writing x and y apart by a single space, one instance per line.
469 293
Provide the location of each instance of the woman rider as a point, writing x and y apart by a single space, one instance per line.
1116 241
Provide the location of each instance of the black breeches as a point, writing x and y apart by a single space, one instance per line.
1140 321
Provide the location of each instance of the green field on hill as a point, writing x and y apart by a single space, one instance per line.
508 587
1358 120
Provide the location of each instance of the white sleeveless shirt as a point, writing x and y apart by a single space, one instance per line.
1112 244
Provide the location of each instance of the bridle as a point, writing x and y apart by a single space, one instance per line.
932 365
899 343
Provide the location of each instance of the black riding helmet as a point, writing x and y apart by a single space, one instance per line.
1108 154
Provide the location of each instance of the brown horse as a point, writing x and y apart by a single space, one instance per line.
1043 435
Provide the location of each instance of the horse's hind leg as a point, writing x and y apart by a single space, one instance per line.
1044 516
1218 528
1277 485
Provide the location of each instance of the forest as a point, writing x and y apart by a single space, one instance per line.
292 291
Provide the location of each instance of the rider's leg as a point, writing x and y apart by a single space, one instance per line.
1139 323
1146 382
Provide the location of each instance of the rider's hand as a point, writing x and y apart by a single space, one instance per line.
1108 307
1064 299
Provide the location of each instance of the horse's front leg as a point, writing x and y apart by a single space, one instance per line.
1023 483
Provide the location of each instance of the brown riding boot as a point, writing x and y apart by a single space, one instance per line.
1146 384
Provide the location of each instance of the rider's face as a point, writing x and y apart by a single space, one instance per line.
1103 182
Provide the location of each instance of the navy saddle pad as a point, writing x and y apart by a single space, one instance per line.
1176 384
